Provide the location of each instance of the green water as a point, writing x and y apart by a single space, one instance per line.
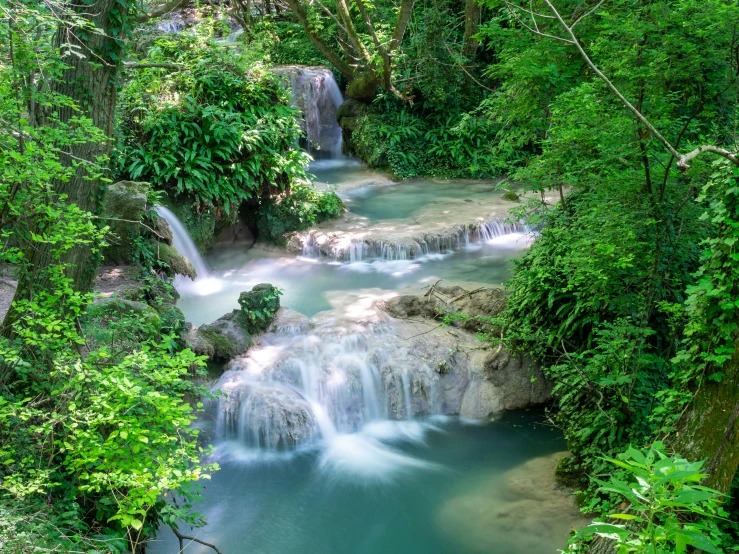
310 286
407 199
449 501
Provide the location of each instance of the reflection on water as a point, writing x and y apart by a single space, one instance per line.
311 285
420 487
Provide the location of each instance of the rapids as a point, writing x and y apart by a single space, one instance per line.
329 433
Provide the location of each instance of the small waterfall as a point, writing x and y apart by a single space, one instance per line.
317 96
300 385
183 243
368 249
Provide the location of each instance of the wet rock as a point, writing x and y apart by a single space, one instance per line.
264 415
176 263
511 196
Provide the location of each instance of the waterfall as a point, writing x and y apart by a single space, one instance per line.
300 385
317 96
183 243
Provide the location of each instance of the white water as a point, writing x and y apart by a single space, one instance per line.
204 284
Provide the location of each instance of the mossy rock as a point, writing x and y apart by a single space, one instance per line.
511 196
124 200
176 263
363 87
258 307
221 340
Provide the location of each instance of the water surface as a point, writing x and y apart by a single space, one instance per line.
396 488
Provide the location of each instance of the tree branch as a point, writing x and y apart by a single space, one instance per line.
182 537
683 160
164 9
682 163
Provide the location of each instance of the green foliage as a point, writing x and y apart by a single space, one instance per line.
668 510
216 133
589 300
258 307
303 207
413 144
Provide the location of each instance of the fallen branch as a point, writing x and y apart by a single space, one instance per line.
181 537
130 221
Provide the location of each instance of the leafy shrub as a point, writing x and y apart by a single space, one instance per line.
303 207
668 509
591 300
414 144
215 133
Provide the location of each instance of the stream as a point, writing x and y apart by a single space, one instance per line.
322 448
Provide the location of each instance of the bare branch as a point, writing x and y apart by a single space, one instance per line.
682 163
535 31
182 537
586 14
164 9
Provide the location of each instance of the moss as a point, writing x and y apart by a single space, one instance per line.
222 347
258 307
174 263
364 87
511 196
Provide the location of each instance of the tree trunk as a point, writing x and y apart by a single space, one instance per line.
709 429
344 68
90 82
472 11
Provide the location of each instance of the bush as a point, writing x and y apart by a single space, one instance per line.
302 208
215 134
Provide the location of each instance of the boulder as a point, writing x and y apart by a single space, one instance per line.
258 307
230 336
124 200
176 263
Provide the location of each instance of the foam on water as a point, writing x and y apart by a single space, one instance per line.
363 459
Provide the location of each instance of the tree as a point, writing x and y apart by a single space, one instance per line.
365 66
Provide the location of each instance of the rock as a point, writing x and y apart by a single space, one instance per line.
230 336
523 507
264 415
511 196
362 87
161 227
124 200
497 380
258 307
221 340
176 263
479 304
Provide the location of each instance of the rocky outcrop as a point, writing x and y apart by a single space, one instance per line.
231 335
123 210
173 262
357 363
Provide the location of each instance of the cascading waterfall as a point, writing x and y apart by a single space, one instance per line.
369 250
300 385
317 96
183 243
